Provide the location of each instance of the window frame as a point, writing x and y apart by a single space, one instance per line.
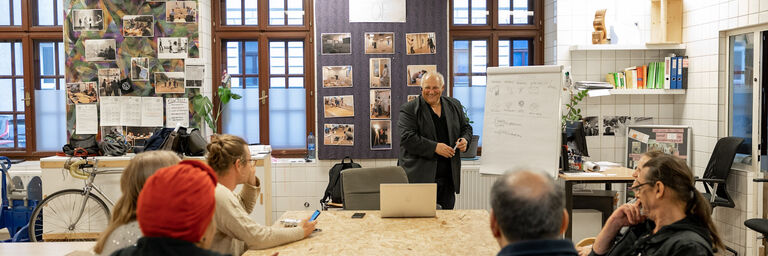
263 33
493 32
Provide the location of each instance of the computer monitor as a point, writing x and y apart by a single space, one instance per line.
576 138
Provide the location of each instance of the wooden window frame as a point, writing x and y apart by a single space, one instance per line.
492 31
28 35
263 33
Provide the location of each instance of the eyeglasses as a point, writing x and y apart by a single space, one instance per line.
636 189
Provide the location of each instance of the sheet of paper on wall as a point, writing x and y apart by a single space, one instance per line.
109 107
642 137
176 112
86 119
152 111
376 11
130 111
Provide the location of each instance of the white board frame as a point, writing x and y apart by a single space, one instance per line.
493 160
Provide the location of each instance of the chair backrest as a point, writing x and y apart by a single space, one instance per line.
722 158
720 162
360 186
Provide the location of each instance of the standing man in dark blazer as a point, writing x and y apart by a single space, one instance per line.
432 128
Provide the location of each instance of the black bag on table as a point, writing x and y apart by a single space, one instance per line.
333 190
192 143
87 142
156 140
113 144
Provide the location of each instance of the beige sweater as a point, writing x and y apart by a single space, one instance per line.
237 232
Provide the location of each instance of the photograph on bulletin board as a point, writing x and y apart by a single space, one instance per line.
339 106
416 72
87 20
379 43
339 134
172 47
85 92
381 134
420 43
138 26
381 104
181 11
169 82
337 76
412 97
109 82
379 75
336 43
194 75
140 69
100 50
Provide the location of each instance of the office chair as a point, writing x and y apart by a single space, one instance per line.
360 186
716 175
758 225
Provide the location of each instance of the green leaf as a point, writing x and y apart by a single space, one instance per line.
236 96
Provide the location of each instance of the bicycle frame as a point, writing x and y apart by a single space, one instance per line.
86 191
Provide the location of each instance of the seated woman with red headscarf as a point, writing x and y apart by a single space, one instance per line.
175 212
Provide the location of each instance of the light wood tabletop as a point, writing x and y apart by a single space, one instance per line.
452 232
51 248
610 174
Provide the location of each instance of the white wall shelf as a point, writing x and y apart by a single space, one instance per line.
604 47
645 91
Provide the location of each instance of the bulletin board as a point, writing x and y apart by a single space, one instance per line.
352 51
131 41
670 139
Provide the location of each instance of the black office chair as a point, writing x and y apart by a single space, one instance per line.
716 175
759 225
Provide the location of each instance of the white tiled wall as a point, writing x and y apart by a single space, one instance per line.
703 105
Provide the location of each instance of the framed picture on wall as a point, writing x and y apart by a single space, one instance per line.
100 50
381 134
87 20
415 72
138 26
336 43
379 75
381 104
420 43
339 135
339 106
379 43
337 76
181 11
169 82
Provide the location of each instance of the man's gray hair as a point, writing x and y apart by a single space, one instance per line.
430 74
527 210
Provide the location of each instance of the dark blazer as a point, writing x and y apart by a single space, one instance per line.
418 139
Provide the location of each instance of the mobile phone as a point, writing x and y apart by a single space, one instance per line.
358 215
314 215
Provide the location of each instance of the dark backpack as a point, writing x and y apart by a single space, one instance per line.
156 140
333 190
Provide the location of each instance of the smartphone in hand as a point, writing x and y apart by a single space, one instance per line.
314 215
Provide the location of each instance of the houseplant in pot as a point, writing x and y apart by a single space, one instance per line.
472 145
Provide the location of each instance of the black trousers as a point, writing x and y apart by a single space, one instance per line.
446 197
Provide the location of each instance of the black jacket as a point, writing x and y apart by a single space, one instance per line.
163 246
418 139
684 237
558 247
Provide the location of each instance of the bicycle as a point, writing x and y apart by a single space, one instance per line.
73 214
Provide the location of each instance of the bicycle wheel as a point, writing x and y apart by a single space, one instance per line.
54 218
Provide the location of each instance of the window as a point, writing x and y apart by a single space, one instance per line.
12 114
489 33
32 107
277 98
740 97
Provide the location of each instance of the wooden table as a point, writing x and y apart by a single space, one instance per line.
452 232
610 175
52 248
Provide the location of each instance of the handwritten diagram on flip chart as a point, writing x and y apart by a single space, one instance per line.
522 119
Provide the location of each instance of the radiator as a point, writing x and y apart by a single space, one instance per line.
475 189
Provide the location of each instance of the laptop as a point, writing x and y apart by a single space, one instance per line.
408 200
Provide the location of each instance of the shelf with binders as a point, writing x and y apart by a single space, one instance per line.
668 75
619 47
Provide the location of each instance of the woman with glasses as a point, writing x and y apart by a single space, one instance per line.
236 232
669 217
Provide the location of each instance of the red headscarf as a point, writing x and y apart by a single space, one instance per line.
178 201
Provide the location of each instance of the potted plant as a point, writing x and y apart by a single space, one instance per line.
472 145
203 106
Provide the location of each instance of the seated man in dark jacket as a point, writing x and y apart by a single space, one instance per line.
528 215
175 212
